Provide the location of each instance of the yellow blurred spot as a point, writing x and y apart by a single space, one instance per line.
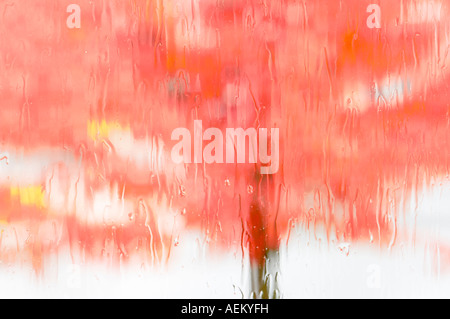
29 195
98 130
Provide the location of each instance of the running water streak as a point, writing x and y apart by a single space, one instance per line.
89 104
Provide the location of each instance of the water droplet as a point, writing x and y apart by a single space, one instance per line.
182 191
